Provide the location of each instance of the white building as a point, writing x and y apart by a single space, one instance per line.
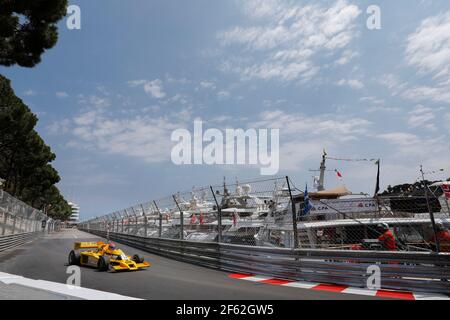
75 216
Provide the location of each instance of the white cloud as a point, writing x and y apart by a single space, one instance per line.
346 57
382 109
421 116
413 149
207 85
303 137
392 83
144 137
288 36
86 118
223 95
400 138
428 93
136 83
341 127
374 104
428 48
352 83
30 92
94 101
59 127
62 94
154 87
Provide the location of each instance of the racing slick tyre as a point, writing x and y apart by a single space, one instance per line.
138 259
74 259
103 264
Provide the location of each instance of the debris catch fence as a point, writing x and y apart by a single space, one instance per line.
275 213
20 223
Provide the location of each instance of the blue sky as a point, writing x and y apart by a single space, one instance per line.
108 96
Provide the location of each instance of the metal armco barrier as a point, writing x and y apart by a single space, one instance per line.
14 240
409 271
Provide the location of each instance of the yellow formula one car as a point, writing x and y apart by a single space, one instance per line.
105 257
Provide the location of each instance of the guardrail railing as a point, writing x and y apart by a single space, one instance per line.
409 271
15 240
20 223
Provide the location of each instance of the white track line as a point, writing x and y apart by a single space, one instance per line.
257 278
301 284
360 291
63 289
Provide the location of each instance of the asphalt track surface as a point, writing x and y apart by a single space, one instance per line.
46 259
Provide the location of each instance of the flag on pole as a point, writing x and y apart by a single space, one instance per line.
307 202
338 173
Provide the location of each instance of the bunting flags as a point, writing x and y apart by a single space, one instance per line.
201 218
193 219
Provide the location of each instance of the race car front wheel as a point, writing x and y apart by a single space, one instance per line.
103 264
138 259
74 259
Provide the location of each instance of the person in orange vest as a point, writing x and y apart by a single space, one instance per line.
387 238
443 237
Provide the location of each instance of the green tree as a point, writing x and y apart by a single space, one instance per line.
25 158
27 29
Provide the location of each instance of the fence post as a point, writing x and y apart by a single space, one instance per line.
430 210
135 221
5 219
294 215
14 225
106 227
160 219
181 218
219 217
20 224
145 221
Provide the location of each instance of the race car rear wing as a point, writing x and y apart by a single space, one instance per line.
87 245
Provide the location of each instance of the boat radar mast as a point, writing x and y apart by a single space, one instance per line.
320 185
319 182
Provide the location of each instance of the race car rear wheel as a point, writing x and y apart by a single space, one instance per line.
74 259
138 259
103 264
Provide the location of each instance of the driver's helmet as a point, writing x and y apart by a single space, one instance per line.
112 246
383 226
